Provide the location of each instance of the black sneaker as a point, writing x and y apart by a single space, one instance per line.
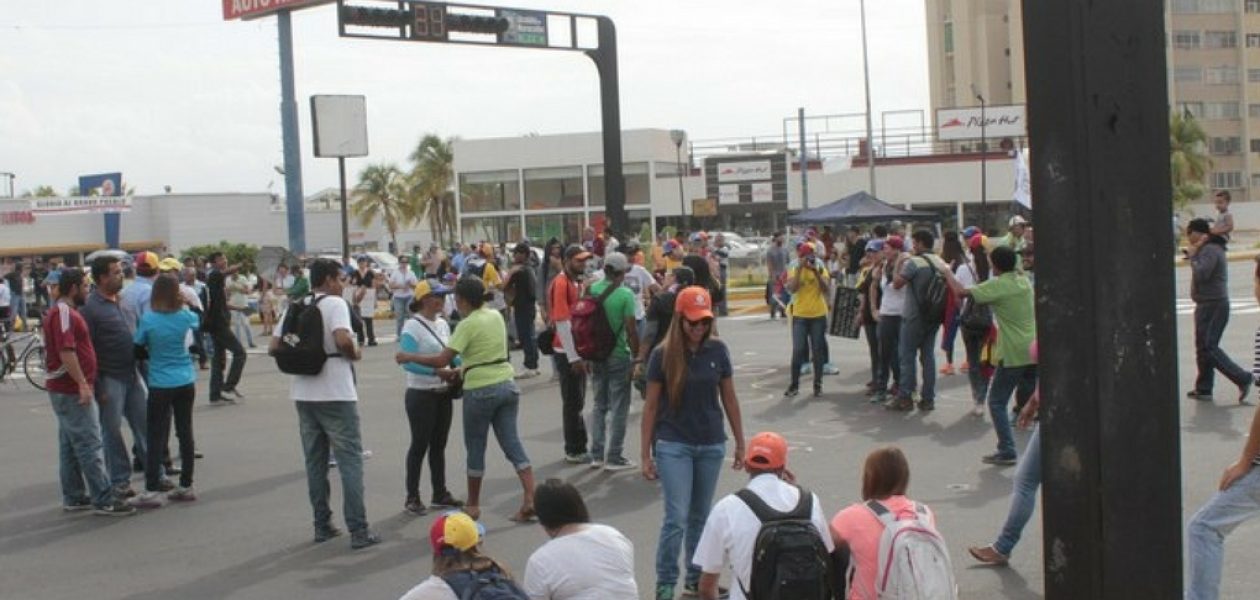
414 506
928 405
791 392
137 466
446 500
79 505
165 485
124 492
998 459
363 538
817 391
1243 390
324 533
1200 396
117 508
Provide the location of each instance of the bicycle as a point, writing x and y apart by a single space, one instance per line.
27 349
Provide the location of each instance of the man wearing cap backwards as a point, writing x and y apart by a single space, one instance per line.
119 389
1209 288
808 281
328 412
611 377
562 295
732 527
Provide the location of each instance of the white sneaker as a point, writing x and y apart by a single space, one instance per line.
147 500
528 374
978 410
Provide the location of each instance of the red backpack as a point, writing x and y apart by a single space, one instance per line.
592 334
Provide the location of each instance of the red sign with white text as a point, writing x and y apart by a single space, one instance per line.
252 9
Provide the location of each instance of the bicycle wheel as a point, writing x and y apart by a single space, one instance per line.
33 365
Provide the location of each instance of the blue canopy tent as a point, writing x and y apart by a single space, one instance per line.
859 208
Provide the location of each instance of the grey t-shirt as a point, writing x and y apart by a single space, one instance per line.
1211 273
918 274
776 260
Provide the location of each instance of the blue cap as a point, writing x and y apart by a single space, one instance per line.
53 278
875 246
970 231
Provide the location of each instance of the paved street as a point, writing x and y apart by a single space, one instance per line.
249 534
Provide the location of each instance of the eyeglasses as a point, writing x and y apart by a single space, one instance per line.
697 324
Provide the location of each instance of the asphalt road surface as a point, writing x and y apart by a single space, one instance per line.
248 536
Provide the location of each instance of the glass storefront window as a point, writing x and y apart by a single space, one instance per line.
637 184
489 191
565 227
559 187
638 223
495 230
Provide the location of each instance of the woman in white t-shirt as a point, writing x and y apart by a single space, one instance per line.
583 560
892 302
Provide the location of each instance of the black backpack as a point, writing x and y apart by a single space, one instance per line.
790 560
933 296
490 584
301 350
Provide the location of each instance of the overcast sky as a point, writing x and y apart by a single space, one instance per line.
170 94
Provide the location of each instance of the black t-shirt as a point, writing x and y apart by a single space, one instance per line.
521 284
661 311
857 250
15 283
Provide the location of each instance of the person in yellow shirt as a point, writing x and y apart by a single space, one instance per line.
673 256
808 281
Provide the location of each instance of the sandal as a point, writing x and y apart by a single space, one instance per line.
525 515
474 512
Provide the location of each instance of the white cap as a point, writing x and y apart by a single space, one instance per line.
617 262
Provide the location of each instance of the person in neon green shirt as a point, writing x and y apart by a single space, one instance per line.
491 397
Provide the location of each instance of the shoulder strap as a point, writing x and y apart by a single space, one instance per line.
427 328
766 514
882 513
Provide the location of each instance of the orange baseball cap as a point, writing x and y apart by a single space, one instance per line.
767 450
694 303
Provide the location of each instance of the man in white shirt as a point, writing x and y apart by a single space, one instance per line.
583 560
402 282
732 528
328 413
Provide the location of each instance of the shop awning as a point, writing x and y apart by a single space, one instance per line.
78 248
859 208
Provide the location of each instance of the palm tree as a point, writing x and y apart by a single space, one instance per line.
381 193
1189 161
430 185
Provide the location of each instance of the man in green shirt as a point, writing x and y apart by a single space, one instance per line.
1010 295
611 377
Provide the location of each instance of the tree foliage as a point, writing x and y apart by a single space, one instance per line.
382 194
237 254
429 185
1187 147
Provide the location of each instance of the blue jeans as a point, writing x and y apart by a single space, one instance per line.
1205 535
1210 319
918 340
124 396
79 448
399 306
808 337
611 380
1023 494
1005 381
689 476
525 333
240 324
337 424
494 406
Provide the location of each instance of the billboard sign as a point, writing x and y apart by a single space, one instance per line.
252 9
525 28
80 205
754 170
704 207
340 126
965 123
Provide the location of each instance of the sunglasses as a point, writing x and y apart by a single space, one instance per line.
700 323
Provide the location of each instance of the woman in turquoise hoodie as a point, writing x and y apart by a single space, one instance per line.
429 398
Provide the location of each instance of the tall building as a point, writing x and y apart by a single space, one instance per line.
1213 70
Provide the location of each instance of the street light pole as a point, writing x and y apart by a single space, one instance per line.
984 162
866 76
677 136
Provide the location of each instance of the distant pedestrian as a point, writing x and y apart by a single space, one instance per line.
164 332
1209 288
71 363
582 560
808 282
1224 225
867 318
683 441
217 323
521 293
401 283
328 411
429 397
776 266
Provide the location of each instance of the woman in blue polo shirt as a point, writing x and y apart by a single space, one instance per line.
165 331
684 441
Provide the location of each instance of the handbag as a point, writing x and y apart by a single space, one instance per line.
546 340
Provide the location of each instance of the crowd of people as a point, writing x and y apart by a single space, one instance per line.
628 319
